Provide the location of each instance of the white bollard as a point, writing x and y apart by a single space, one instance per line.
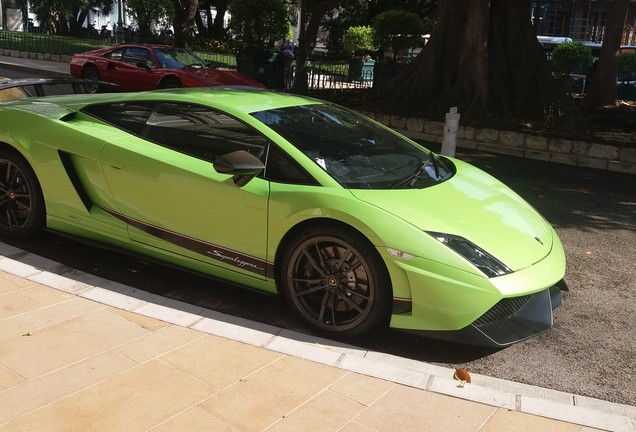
451 126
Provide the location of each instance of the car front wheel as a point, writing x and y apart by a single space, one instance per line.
336 282
21 203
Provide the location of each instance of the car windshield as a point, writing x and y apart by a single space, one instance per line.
173 58
357 152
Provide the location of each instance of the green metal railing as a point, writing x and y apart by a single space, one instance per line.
48 44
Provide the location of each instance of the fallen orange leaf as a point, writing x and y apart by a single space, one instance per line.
461 375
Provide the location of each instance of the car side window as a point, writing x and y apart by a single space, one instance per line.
131 117
135 55
116 54
281 168
191 129
200 132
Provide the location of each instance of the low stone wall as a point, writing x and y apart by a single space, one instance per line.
608 151
35 56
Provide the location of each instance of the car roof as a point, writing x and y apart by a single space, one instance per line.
232 100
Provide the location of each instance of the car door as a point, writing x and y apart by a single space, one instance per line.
166 188
123 68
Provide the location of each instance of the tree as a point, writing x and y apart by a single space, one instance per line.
67 16
148 12
259 24
184 13
359 38
626 65
215 26
397 30
571 57
603 87
483 57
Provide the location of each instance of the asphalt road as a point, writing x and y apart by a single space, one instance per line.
590 350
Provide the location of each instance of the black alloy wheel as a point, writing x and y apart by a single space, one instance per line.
336 281
21 203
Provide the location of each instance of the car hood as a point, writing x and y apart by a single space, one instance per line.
477 207
220 77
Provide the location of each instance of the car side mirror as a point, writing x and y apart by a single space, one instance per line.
243 165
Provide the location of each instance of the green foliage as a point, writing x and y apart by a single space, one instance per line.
258 24
571 57
206 44
359 38
53 15
397 30
148 12
626 65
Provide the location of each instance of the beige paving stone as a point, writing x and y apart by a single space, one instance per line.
12 327
136 400
151 324
355 427
67 342
589 429
327 411
8 379
195 420
218 361
47 316
158 343
362 389
266 396
12 304
514 421
43 295
35 394
9 282
408 409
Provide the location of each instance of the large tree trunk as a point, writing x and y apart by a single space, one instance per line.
483 58
218 29
602 89
184 12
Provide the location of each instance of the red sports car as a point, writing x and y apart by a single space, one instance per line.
138 67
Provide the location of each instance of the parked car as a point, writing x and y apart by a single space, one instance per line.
139 67
355 225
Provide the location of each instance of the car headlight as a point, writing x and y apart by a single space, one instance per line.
486 263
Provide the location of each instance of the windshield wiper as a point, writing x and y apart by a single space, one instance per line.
419 173
410 180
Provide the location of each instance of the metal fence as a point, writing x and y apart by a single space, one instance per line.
320 74
50 44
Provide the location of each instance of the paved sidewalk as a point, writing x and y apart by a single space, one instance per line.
57 69
80 353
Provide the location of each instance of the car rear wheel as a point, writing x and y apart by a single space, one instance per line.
169 83
21 202
92 74
336 282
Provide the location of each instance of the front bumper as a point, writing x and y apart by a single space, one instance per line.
510 321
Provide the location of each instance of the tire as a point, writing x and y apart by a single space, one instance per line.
170 83
335 280
22 211
92 74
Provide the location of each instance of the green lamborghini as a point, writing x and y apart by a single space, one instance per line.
355 225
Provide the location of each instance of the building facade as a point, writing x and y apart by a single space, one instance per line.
580 20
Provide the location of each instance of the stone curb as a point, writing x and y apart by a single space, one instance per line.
524 398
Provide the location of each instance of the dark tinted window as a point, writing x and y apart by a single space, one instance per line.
191 129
